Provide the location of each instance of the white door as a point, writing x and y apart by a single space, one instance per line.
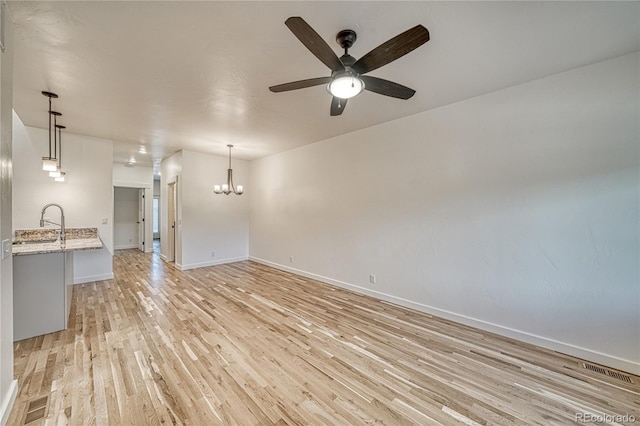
141 221
171 222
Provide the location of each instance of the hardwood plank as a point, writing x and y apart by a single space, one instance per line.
243 343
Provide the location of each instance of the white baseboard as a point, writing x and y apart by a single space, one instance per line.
7 402
565 348
90 278
211 263
125 247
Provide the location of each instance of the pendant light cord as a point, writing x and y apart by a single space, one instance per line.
60 148
55 138
49 127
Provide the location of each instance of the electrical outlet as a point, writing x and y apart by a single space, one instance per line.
372 278
213 254
105 220
290 259
130 240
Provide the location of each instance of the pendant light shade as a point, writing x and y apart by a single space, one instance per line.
49 164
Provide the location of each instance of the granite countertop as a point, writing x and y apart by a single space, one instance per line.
45 240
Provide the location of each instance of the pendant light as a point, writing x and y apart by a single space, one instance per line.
56 172
61 174
49 163
228 188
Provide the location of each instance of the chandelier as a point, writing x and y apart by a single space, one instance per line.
228 187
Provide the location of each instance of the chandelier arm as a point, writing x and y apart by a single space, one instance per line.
230 178
235 191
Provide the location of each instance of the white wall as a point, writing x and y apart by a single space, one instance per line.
86 196
215 227
137 177
8 386
125 218
210 229
132 177
516 212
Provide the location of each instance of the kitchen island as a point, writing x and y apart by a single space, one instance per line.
43 278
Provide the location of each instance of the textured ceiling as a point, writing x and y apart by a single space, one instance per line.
195 75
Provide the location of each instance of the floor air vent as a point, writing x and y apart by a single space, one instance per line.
607 372
36 409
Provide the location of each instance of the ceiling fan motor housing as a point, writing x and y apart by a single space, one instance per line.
347 61
346 38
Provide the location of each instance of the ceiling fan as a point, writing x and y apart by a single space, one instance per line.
347 79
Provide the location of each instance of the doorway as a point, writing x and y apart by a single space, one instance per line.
156 217
156 214
131 217
128 218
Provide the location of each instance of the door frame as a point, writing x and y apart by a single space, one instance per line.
148 192
172 208
141 219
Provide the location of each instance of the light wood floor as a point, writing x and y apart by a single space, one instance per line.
246 344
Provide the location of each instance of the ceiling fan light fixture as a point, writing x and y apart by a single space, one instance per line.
345 85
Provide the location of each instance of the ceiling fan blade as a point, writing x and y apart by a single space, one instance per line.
301 84
337 106
392 49
386 87
314 42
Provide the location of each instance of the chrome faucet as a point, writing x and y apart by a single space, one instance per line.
61 224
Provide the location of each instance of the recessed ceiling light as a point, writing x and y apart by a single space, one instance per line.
142 150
